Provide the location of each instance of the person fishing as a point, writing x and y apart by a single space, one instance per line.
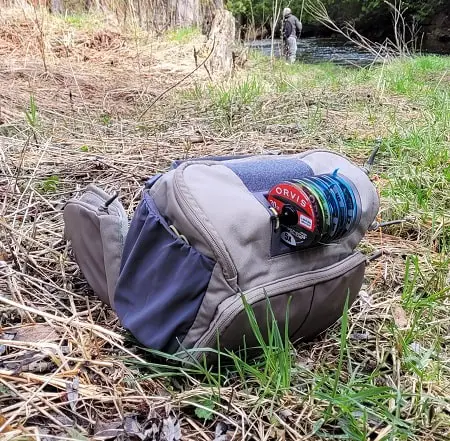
291 30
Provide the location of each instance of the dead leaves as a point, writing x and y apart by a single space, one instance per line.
72 392
29 348
3 254
38 332
400 317
5 427
109 430
3 347
130 429
221 432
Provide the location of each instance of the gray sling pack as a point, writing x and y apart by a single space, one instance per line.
203 236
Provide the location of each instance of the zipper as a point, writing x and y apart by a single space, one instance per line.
213 239
259 293
310 152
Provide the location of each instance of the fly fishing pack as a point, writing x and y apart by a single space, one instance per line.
280 230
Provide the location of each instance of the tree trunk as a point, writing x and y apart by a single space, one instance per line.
208 10
221 40
187 12
56 6
163 14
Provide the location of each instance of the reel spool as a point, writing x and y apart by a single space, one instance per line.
316 210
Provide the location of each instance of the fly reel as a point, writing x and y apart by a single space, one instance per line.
316 210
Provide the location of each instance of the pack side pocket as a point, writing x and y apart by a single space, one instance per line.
163 280
328 302
295 302
316 300
97 238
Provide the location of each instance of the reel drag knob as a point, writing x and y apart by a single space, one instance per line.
288 215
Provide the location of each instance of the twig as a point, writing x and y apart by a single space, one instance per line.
64 320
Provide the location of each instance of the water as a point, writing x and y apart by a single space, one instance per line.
319 50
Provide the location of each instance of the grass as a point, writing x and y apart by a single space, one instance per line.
381 373
80 21
183 34
406 103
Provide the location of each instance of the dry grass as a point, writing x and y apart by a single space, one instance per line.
67 369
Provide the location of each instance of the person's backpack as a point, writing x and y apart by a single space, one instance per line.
204 237
287 29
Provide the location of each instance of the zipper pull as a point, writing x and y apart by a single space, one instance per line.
376 225
105 206
367 167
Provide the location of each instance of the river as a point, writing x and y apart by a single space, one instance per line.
319 50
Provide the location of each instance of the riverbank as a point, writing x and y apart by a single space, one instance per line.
336 50
318 50
425 24
71 372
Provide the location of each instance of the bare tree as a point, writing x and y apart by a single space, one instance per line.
276 12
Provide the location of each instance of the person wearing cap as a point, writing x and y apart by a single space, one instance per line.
292 28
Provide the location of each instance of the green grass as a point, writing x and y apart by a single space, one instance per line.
270 370
369 375
264 379
82 21
49 185
105 118
418 77
78 21
183 35
357 390
345 399
31 114
406 103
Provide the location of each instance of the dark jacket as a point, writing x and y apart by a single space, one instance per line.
296 25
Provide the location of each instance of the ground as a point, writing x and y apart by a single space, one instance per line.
83 100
